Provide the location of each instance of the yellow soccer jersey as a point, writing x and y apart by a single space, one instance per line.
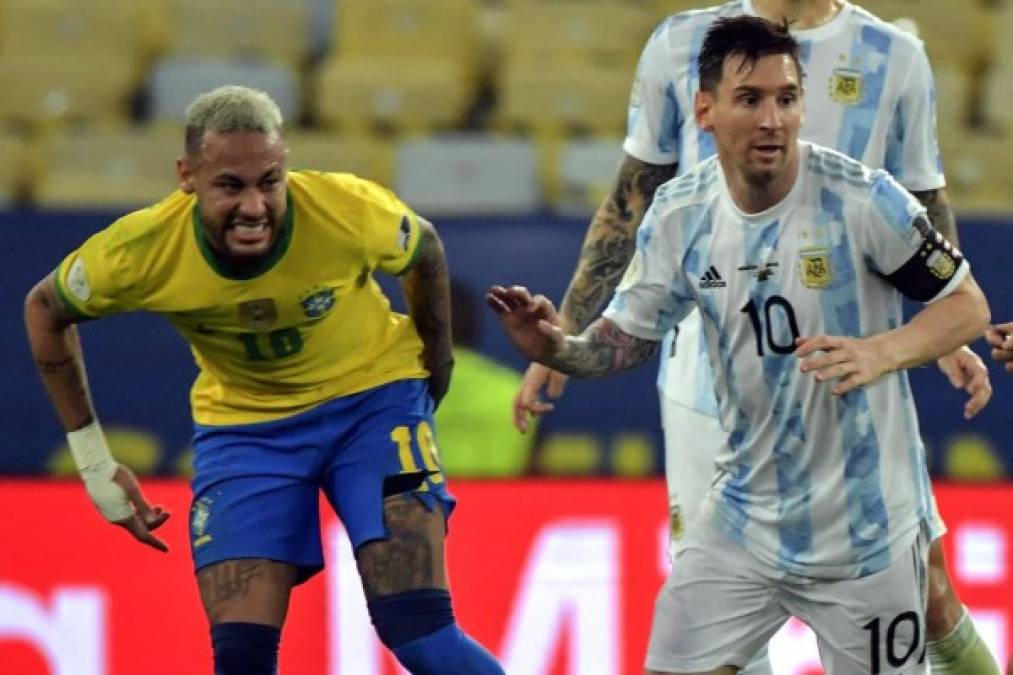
307 325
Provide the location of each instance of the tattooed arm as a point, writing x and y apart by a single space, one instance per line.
56 348
602 349
532 326
427 289
610 241
940 213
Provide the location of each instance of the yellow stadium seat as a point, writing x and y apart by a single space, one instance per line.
108 168
271 30
979 170
410 97
407 64
50 87
14 178
574 32
365 157
126 28
407 30
562 102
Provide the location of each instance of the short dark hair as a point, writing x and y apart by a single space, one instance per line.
751 37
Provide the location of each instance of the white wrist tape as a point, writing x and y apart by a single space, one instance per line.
96 465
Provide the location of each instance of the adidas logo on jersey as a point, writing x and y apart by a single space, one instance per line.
711 279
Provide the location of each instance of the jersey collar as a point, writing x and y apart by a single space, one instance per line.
244 272
821 32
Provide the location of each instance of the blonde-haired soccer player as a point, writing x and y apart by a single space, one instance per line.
308 382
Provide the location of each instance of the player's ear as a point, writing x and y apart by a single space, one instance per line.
703 109
184 172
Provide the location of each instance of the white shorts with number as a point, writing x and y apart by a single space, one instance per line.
720 605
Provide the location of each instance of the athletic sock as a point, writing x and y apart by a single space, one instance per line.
962 651
448 651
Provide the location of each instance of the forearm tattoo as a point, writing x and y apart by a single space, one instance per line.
427 289
611 240
937 204
602 349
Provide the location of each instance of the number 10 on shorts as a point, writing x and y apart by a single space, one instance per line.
427 446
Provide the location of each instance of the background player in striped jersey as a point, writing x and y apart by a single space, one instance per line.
308 382
821 507
869 95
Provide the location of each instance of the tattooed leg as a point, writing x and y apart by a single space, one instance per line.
412 558
248 590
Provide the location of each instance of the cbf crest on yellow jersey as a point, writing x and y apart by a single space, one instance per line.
306 324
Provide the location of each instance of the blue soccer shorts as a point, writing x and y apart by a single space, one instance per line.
256 486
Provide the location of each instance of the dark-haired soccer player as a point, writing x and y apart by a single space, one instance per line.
797 257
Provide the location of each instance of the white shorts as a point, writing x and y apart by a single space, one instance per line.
720 605
692 442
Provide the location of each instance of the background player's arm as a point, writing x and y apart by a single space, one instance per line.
56 348
427 289
610 241
940 213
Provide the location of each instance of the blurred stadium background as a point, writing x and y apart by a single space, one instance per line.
500 120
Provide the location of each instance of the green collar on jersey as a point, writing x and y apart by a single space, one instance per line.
255 269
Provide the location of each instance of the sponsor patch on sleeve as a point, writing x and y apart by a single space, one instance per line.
77 281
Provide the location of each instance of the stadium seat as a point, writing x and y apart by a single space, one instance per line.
49 88
566 33
468 174
552 102
568 66
365 157
108 168
409 97
174 82
406 64
14 177
268 30
58 63
979 170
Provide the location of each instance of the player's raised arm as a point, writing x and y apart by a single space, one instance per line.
427 289
531 322
56 348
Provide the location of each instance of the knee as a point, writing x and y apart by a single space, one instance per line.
245 648
404 617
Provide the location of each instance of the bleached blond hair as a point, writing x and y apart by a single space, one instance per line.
230 109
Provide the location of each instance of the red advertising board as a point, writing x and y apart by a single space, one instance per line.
558 578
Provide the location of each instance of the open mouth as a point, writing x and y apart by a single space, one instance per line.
768 150
248 235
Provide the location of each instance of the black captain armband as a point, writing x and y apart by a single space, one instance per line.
931 268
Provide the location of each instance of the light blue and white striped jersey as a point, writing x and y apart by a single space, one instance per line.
868 93
818 485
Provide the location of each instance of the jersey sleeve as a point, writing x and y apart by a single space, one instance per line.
390 231
654 117
912 153
653 295
99 279
901 245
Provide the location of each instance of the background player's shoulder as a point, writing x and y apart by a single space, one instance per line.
677 30
903 41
